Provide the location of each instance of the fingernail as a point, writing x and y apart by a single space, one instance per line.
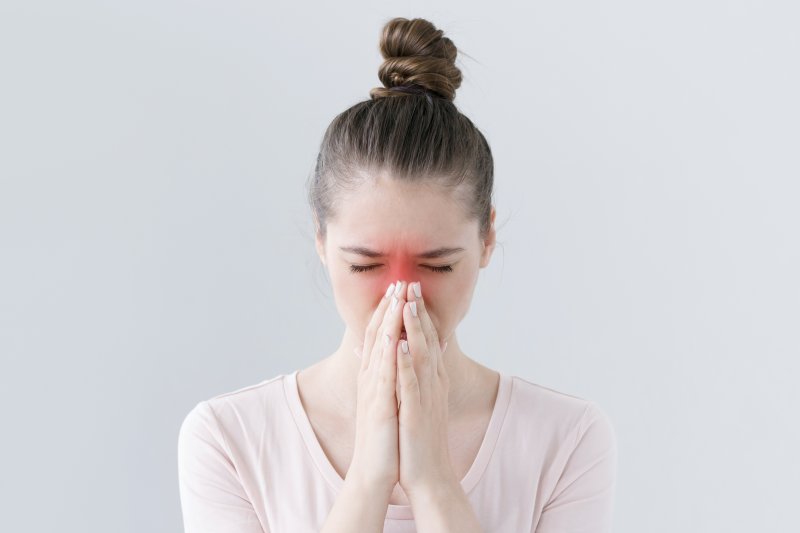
386 339
389 290
413 308
394 303
404 346
398 287
418 290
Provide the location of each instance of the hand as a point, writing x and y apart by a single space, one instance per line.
376 454
424 385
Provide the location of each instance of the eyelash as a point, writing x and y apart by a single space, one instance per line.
360 268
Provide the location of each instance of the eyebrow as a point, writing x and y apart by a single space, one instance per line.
442 251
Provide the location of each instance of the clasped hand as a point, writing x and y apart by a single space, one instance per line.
401 418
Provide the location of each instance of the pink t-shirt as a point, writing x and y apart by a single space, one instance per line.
249 462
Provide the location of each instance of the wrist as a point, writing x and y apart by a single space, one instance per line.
433 491
366 484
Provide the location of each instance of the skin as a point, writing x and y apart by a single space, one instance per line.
401 220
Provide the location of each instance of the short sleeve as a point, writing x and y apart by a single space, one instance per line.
211 494
583 498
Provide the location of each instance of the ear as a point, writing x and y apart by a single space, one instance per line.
489 242
320 245
319 241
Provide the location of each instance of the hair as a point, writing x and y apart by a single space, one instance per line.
409 129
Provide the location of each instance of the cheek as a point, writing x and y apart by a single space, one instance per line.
448 297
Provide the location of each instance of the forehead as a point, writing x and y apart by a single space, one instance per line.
386 212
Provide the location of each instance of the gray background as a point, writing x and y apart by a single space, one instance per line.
157 249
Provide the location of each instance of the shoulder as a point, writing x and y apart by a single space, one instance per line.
564 418
234 412
569 441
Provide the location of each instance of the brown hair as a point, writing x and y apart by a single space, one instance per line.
409 128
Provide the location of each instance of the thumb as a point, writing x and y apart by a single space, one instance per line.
406 377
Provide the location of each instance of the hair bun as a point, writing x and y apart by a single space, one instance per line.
416 54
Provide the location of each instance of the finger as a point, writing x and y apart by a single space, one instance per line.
371 341
418 346
365 350
409 385
431 335
429 330
387 369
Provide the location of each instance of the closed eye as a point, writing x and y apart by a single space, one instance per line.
364 268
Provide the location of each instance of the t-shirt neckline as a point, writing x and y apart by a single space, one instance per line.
404 512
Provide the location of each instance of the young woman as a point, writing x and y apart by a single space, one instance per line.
398 430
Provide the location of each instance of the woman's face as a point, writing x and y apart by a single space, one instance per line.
389 230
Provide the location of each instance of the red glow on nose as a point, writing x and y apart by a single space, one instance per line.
401 266
401 262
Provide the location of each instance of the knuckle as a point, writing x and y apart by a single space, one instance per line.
383 378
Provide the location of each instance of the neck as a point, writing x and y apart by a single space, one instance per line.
340 371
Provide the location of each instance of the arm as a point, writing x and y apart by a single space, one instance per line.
582 500
212 497
359 508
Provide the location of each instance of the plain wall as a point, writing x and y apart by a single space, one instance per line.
157 247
